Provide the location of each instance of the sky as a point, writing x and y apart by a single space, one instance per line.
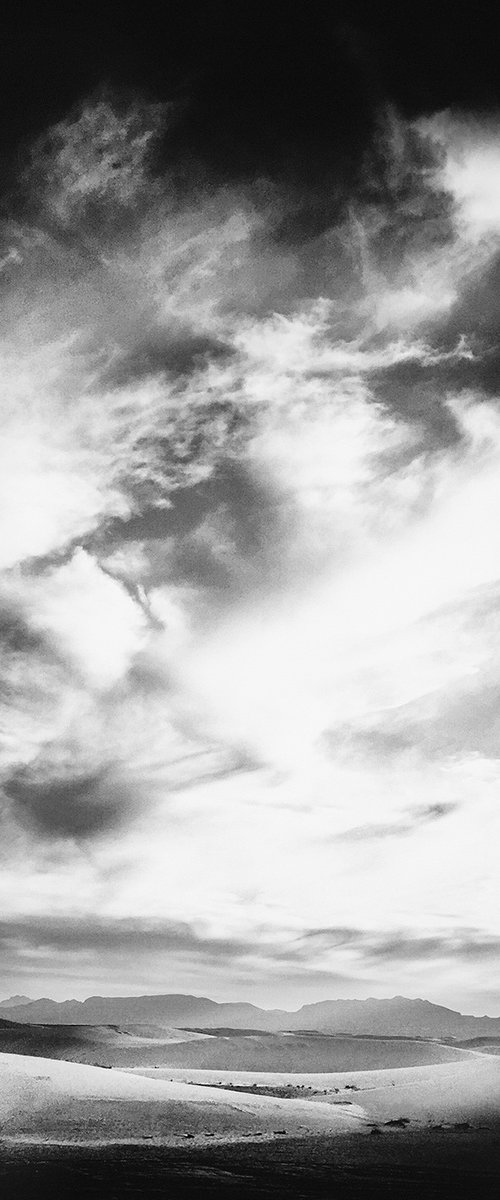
249 536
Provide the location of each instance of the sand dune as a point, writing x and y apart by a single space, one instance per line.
165 1046
54 1100
103 1045
49 1099
303 1052
465 1090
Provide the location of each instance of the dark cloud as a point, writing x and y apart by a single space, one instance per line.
17 637
78 806
404 210
34 676
70 935
415 392
164 352
230 486
328 937
460 945
243 541
229 535
26 652
54 803
201 438
403 945
434 812
130 936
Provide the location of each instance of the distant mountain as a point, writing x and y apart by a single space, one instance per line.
15 1001
397 1016
383 1018
172 1010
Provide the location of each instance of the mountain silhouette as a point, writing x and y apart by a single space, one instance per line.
394 1017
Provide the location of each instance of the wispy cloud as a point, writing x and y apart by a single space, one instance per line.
399 828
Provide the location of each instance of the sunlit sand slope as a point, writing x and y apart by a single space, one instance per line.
44 1098
468 1089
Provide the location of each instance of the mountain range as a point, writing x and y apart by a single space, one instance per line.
397 1016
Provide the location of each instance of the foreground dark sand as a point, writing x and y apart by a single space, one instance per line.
460 1164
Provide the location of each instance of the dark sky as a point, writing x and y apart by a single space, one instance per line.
282 88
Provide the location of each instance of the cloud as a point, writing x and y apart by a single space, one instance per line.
470 166
408 824
444 725
473 946
410 945
140 938
68 806
73 935
172 352
416 391
249 571
97 624
95 160
75 943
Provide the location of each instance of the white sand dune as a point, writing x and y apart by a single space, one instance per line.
466 1090
51 1099
124 1045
